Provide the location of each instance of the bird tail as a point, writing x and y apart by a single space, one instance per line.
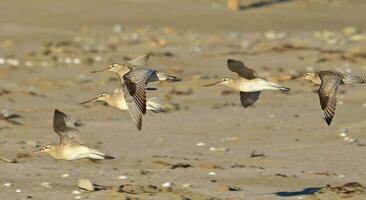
96 155
284 89
350 78
280 87
108 157
165 77
155 104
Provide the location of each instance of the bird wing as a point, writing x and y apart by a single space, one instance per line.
328 94
248 98
64 126
240 68
135 93
139 61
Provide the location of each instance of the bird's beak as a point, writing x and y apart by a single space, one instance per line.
101 70
38 151
212 84
300 78
90 101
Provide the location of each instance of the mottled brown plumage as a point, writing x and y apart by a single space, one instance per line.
329 82
134 76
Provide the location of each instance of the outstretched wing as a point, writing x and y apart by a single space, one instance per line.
248 98
328 94
135 93
65 128
139 61
239 68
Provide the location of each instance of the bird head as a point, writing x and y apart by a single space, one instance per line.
101 97
223 81
115 67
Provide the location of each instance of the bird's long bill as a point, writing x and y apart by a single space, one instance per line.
300 78
89 101
38 151
212 84
101 70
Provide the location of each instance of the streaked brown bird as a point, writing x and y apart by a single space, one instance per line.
72 145
134 77
329 82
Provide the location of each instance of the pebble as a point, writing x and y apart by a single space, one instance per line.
187 185
122 177
86 184
167 184
2 61
78 197
65 175
13 62
18 190
77 61
341 176
212 173
346 138
76 192
200 144
46 184
343 134
8 184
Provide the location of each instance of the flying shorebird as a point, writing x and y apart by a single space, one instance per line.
72 145
117 100
329 82
248 83
134 77
138 65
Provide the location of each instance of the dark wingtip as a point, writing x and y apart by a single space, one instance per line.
108 157
58 112
285 89
173 78
328 120
230 60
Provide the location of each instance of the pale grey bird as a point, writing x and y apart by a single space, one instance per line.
329 82
72 145
248 83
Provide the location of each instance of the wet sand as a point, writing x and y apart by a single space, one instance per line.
207 145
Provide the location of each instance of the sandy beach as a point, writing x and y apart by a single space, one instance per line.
207 146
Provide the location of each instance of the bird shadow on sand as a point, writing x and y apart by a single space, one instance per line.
262 4
306 191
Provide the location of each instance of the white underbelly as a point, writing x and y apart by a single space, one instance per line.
76 153
122 105
257 85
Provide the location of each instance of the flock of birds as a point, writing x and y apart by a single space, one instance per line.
134 76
